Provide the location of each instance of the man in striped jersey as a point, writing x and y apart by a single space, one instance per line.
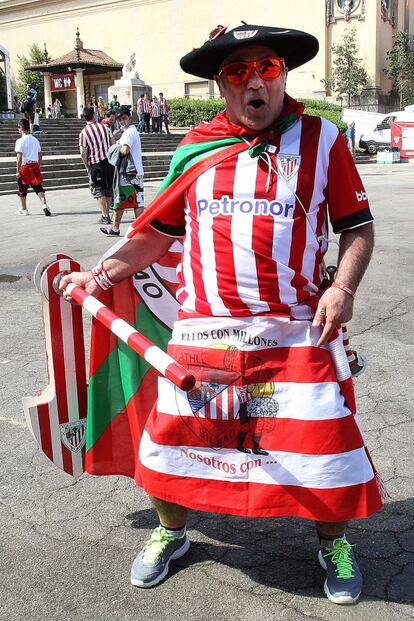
146 113
94 142
254 230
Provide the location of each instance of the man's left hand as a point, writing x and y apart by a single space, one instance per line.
335 307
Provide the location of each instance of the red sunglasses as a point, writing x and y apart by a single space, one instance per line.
239 72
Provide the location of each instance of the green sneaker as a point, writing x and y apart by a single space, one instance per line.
151 564
343 582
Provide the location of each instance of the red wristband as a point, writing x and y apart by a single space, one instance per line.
340 285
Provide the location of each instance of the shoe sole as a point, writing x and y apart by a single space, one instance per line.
110 234
177 554
343 600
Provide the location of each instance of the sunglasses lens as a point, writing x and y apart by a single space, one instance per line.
269 68
236 73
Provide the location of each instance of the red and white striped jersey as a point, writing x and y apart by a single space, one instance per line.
249 246
146 106
155 109
96 138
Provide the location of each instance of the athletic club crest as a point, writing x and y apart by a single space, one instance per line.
73 435
288 165
244 34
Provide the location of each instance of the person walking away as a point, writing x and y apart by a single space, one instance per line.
94 142
155 115
131 192
140 113
28 159
114 104
164 109
146 110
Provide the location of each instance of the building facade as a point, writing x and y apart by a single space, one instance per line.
161 31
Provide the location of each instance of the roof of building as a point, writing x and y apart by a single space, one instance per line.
83 59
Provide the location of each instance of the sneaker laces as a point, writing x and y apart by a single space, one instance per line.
341 558
156 545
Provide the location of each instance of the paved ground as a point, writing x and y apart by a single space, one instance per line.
66 546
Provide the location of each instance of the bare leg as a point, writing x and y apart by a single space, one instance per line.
103 206
23 201
330 530
42 198
138 211
170 515
116 221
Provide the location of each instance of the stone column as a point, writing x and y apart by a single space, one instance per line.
48 92
80 91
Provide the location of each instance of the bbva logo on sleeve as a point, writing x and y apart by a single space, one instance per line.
361 196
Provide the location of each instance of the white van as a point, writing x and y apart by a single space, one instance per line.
380 135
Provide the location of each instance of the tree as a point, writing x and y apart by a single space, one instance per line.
348 75
25 78
401 67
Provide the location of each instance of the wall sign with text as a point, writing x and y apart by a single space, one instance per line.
64 82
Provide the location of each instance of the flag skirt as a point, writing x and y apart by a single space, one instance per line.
271 428
130 197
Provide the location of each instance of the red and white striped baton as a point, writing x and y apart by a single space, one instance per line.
156 357
56 416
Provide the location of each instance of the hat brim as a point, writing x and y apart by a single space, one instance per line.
295 46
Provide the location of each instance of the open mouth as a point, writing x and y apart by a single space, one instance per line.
256 103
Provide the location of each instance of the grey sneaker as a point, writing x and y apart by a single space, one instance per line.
343 582
151 564
104 220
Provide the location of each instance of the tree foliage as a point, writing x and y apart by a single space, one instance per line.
25 79
348 75
401 67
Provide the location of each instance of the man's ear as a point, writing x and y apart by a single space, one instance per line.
219 83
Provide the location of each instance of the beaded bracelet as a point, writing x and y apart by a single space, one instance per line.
340 285
101 277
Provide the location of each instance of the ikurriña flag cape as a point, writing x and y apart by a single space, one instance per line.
122 386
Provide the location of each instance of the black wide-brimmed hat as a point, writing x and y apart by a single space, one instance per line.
295 46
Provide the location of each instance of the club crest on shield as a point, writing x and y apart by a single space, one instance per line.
288 165
244 34
73 435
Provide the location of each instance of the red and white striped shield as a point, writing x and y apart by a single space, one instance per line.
57 416
287 165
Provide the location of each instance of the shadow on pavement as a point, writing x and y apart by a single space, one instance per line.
281 553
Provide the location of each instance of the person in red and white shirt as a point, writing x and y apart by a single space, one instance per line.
155 115
94 142
280 438
146 111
